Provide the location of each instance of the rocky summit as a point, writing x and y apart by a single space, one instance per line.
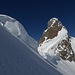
56 40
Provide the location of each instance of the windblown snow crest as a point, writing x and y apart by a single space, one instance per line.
17 29
56 42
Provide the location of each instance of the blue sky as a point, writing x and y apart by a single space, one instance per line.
34 14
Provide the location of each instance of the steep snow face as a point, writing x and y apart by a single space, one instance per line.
17 29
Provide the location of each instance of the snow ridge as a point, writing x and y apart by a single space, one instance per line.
17 29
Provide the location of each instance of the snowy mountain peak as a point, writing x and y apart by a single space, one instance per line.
54 29
55 41
16 28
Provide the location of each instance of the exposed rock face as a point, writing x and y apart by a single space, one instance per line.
52 29
65 50
56 38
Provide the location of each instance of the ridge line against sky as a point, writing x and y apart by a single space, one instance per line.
34 15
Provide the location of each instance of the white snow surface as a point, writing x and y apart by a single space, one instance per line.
17 29
73 43
66 66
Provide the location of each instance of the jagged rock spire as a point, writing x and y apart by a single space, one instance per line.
56 40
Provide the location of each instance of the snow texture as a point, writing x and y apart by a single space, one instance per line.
54 20
17 29
18 58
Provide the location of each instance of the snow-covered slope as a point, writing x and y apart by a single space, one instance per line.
57 46
17 29
18 58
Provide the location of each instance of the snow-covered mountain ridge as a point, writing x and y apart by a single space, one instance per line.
55 45
56 41
18 57
17 29
58 47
